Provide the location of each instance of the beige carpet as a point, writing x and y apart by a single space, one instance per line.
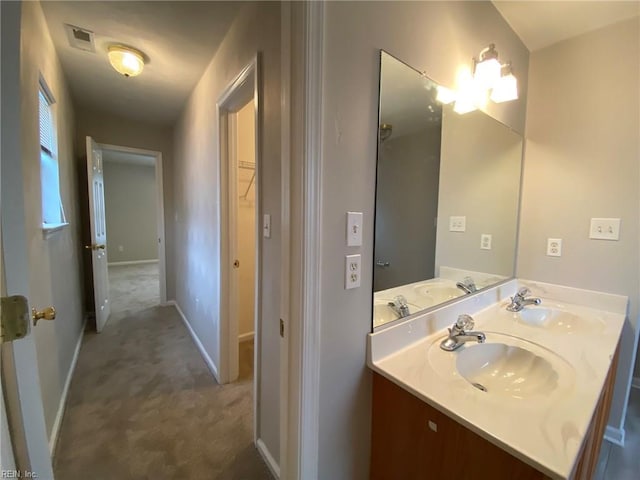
143 405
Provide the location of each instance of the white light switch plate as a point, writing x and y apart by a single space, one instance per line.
457 224
352 271
554 247
485 241
354 229
266 225
605 229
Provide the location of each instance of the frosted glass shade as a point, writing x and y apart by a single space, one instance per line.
506 89
126 61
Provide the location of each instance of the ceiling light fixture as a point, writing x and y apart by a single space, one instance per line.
126 61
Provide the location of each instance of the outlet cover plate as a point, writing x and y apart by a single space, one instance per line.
554 247
605 229
457 224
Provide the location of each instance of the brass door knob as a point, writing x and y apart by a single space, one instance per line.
48 313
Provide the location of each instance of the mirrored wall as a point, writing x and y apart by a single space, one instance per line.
447 195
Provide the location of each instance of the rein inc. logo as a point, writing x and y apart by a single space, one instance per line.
17 474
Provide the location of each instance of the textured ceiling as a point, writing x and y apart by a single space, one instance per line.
543 23
178 38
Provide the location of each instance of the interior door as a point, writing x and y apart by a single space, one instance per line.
98 247
28 449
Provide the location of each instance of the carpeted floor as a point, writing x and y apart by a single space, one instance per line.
143 404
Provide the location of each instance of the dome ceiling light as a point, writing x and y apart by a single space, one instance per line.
126 61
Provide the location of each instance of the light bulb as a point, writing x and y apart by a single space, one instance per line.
445 95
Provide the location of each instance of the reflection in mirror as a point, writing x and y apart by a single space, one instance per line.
447 196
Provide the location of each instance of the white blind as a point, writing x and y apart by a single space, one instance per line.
46 124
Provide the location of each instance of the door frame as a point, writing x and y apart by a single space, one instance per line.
162 262
243 89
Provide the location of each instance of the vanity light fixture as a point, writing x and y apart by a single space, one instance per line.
126 60
489 80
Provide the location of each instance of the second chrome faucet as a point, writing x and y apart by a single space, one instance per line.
460 333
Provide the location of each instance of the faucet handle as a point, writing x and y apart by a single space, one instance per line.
465 322
523 292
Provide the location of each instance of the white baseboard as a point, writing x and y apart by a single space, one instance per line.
245 337
268 458
614 435
196 340
55 431
635 383
133 262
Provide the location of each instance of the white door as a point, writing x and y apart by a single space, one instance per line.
98 245
22 400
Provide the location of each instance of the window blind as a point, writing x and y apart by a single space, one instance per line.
46 124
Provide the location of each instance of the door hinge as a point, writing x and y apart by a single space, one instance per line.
282 328
15 318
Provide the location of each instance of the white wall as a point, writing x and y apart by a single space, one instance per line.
130 198
582 161
436 37
481 162
257 29
54 262
124 132
246 152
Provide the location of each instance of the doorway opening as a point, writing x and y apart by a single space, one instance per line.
129 209
240 252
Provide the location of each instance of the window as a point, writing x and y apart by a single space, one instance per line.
52 210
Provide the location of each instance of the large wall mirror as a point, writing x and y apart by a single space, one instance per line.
447 196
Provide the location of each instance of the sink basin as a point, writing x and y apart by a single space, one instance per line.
436 293
505 366
507 370
383 313
558 320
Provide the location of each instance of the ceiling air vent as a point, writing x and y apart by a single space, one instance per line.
80 38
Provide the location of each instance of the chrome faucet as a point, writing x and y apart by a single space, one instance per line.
519 300
459 334
400 307
467 285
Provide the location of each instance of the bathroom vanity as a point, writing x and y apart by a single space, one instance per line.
530 402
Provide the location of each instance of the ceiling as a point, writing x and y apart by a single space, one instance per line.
179 38
115 156
543 23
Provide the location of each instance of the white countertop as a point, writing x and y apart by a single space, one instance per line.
544 431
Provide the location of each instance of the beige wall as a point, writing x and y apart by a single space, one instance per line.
130 197
436 37
480 170
246 219
54 262
196 176
115 130
582 161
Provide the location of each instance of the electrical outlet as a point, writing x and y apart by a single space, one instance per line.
457 224
485 241
554 247
352 271
354 229
605 229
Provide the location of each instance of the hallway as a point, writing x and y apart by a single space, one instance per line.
143 405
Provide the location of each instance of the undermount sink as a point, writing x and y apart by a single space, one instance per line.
383 313
558 320
505 366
